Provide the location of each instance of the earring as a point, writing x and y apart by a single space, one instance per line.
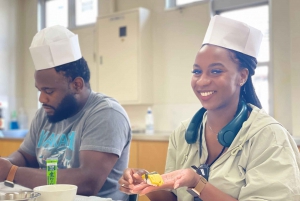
242 83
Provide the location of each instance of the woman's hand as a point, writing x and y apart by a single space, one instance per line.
172 180
131 181
185 178
168 179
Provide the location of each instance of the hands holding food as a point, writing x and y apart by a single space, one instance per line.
131 178
140 181
153 179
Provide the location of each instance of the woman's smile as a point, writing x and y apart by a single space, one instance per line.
206 95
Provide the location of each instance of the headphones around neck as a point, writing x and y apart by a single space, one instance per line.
226 134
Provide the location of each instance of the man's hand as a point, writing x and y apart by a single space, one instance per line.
5 166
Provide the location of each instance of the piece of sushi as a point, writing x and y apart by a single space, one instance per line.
153 179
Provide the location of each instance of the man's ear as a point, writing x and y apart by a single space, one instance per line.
78 84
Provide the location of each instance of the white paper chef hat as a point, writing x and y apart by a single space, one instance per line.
54 46
233 35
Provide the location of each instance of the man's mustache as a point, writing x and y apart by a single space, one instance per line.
45 105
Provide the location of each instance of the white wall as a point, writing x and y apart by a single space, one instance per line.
29 24
11 56
285 33
294 15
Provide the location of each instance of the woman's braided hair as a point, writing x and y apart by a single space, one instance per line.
247 90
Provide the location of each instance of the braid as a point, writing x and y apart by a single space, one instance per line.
247 91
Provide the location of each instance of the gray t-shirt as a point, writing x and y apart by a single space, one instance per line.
102 125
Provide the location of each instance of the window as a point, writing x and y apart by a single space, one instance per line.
182 2
179 3
56 12
86 12
257 17
261 85
68 13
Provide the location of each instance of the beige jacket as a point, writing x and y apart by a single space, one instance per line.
262 163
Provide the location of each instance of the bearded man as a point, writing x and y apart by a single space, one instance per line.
89 133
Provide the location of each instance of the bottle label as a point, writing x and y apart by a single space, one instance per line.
51 171
149 128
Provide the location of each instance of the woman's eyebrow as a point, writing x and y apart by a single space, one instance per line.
211 65
196 65
216 64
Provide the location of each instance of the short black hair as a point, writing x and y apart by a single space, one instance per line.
78 68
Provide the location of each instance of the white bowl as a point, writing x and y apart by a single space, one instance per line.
57 192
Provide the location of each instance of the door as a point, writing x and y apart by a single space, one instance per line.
118 56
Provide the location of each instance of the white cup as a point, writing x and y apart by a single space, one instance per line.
57 192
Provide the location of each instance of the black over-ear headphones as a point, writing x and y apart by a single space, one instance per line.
227 134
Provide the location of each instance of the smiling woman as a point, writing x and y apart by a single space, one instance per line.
231 142
212 71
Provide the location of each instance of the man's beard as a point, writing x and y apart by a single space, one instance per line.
67 108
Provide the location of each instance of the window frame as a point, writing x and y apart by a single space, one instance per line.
171 4
71 15
219 6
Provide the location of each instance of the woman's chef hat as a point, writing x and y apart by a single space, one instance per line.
233 35
54 46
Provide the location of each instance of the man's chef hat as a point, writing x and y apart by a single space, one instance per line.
54 46
233 35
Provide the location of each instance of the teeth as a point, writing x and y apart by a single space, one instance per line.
206 93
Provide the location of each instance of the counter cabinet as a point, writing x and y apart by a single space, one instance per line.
9 145
149 155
